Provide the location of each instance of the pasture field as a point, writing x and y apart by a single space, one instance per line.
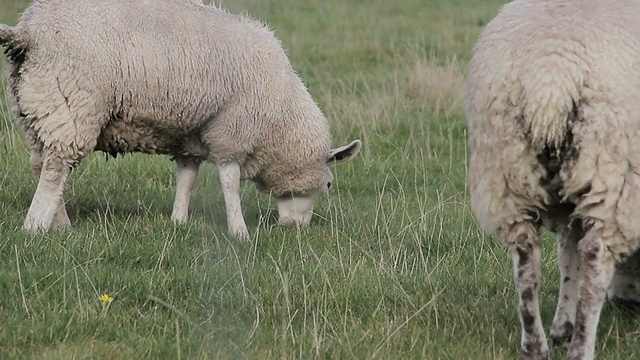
393 267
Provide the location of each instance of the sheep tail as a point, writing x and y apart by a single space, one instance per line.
7 34
551 86
15 44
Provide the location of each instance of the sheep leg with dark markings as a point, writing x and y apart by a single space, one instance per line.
569 266
524 240
596 271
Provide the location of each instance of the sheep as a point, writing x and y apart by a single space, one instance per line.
170 77
553 133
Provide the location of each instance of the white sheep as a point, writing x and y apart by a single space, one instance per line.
172 77
554 139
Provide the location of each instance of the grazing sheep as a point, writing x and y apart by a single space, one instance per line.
554 140
172 77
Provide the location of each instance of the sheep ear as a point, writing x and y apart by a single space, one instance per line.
344 153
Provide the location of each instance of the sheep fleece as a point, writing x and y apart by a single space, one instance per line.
553 111
169 77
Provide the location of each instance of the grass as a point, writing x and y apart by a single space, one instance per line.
394 265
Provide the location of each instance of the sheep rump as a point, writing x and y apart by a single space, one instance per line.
551 103
170 77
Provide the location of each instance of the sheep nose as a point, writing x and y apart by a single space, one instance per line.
292 222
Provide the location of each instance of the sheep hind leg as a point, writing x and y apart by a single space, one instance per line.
186 174
596 271
624 290
525 248
60 219
569 266
230 181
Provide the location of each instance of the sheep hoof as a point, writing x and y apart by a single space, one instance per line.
535 351
33 226
561 334
61 221
61 226
242 234
179 220
543 355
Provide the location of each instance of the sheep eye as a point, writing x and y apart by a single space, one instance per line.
329 185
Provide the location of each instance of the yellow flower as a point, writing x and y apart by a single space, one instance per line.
106 299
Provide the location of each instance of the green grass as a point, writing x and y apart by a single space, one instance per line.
394 265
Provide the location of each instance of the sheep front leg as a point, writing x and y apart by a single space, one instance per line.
230 181
35 160
569 266
186 174
47 200
524 241
60 219
596 271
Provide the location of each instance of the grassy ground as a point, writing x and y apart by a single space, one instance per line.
394 266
